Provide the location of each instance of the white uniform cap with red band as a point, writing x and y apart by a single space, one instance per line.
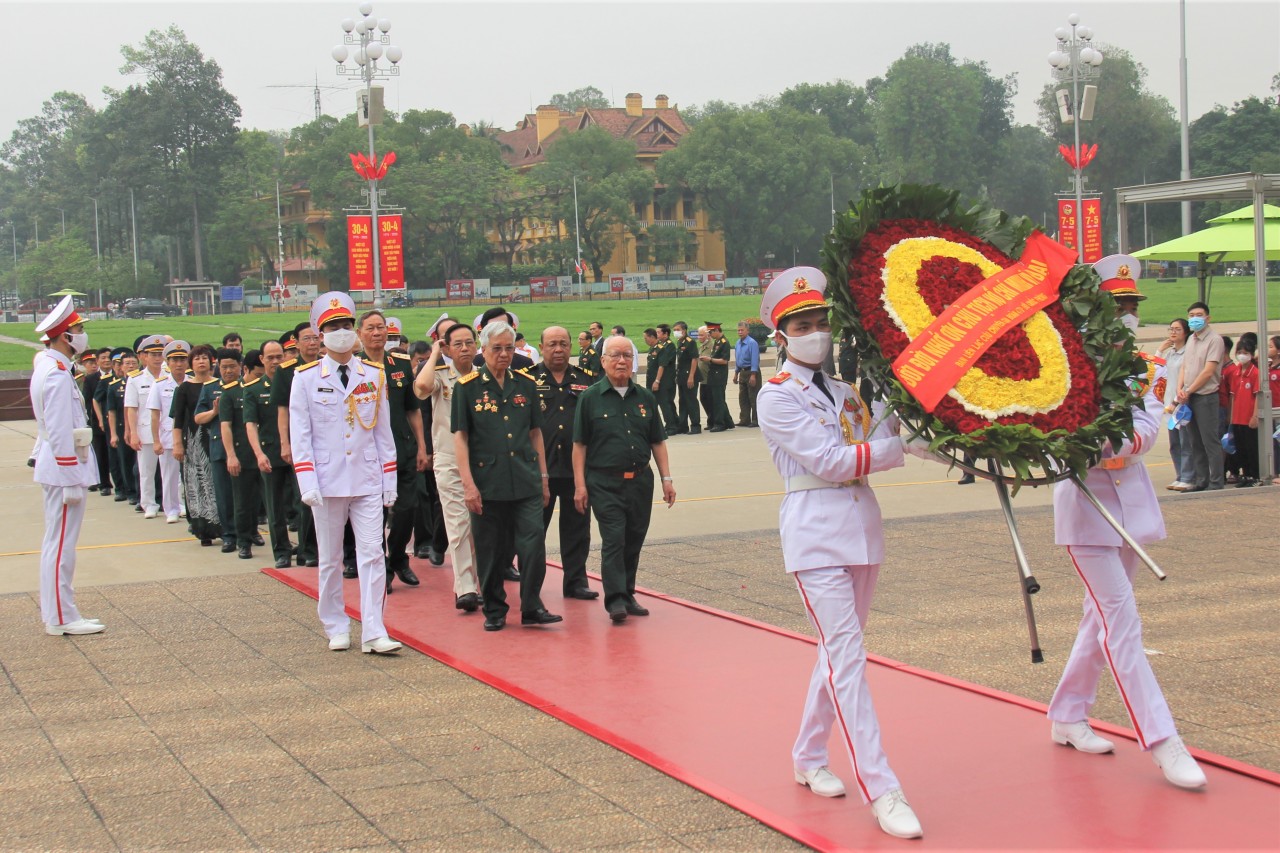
792 291
435 327
1119 274
177 348
334 305
153 343
62 317
394 326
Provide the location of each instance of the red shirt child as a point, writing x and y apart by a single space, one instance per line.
1241 383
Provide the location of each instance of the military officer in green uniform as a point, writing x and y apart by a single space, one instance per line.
616 432
124 460
689 419
497 432
718 360
242 466
560 384
406 429
308 347
666 385
262 427
207 407
590 358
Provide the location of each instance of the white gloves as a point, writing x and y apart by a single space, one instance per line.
388 498
312 498
72 495
918 446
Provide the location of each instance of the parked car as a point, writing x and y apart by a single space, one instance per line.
31 306
136 309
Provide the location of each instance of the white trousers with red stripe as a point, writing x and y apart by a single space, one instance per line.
365 512
1110 635
838 601
58 558
170 480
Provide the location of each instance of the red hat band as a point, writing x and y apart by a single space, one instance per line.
72 319
801 300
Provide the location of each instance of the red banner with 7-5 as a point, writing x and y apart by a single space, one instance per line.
1091 213
391 251
359 253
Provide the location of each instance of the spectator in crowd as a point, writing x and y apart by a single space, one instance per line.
262 429
137 395
1198 380
117 417
1171 350
611 472
207 413
307 341
705 399
242 466
232 340
1230 459
418 353
717 359
191 449
160 402
498 442
527 349
746 375
97 370
1242 380
688 375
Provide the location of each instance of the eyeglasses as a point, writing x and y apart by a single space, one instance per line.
615 356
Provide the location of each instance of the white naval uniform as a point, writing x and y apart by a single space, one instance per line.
137 395
59 409
1110 632
352 465
453 508
160 404
833 543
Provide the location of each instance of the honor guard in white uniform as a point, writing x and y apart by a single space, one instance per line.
137 396
825 442
64 466
160 402
1110 632
345 459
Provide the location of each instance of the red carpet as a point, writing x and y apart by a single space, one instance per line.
713 700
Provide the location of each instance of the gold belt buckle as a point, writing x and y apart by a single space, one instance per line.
854 482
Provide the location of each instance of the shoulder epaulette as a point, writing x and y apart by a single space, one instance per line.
307 366
463 380
588 372
524 371
210 381
253 381
290 363
392 355
372 363
780 378
133 373
191 373
232 384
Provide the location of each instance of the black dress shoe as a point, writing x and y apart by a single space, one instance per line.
282 562
311 564
132 501
618 614
258 540
582 592
435 557
540 617
406 575
228 546
106 493
495 623
716 429
470 602
422 553
695 430
121 497
965 480
634 609
349 572
205 543
246 552
511 573
93 488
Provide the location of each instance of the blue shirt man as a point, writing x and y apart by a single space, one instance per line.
746 375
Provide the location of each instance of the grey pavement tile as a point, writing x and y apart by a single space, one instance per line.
530 808
753 837
388 774
299 785
512 784
101 737
678 809
340 754
335 835
267 816
432 823
70 827
598 830
40 770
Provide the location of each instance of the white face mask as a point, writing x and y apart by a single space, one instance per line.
812 348
677 334
340 340
79 342
1242 357
1130 322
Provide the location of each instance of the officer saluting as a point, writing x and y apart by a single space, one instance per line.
64 466
820 435
345 461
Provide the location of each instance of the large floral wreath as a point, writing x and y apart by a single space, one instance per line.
1046 394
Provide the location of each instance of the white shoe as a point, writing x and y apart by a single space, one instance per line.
151 513
340 642
1180 486
895 815
821 781
380 646
1082 736
171 519
1171 756
80 626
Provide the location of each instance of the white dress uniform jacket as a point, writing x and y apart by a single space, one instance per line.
137 394
160 402
334 449
59 409
831 526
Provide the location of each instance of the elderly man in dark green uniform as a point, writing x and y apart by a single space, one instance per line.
718 361
308 340
242 466
616 431
560 384
687 379
497 433
261 426
207 407
664 385
406 430
590 359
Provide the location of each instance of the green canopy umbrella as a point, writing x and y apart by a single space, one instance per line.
66 291
1269 211
1232 240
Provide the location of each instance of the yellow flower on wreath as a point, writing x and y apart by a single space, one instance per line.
984 395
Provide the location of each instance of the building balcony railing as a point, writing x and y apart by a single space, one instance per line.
669 223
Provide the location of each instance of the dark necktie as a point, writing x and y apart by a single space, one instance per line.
342 375
821 381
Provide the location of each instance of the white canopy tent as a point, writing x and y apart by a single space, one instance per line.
1249 186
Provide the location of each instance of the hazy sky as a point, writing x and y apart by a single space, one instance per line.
495 61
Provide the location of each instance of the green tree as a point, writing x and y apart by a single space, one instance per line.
1245 138
56 264
610 183
1025 178
244 228
669 245
845 106
588 96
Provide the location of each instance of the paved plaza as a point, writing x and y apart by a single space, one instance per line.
210 714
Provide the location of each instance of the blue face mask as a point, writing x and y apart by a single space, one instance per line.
1196 323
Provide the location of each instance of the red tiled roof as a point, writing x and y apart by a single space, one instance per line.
522 148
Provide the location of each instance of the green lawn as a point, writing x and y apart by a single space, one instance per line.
1231 299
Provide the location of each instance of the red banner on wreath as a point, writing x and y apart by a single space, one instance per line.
359 253
391 251
1091 213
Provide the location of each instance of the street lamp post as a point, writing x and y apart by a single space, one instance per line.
64 220
1076 59
577 239
369 35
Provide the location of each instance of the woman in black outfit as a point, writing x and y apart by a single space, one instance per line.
191 448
